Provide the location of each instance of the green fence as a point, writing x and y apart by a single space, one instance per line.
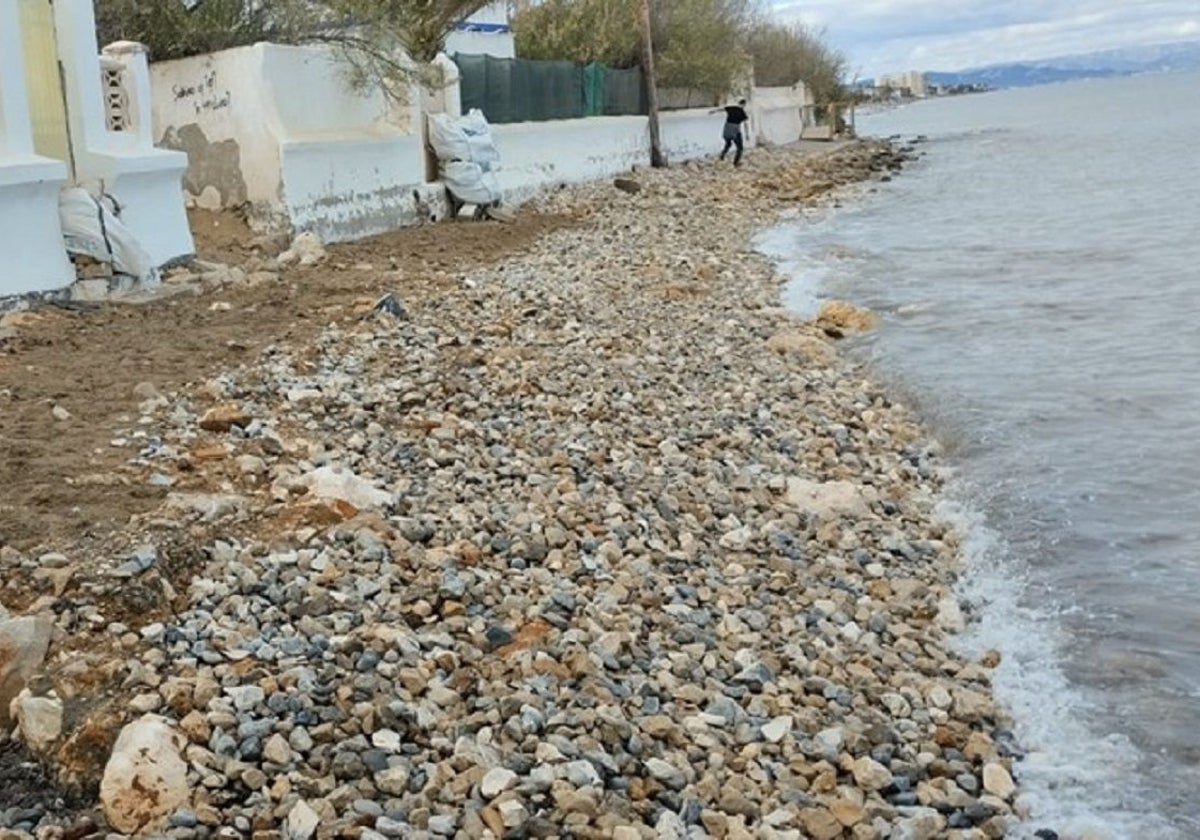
510 90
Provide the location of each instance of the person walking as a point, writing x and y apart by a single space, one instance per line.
735 116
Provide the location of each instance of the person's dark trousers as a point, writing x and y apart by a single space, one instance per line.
734 140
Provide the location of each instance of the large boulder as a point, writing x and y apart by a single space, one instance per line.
145 779
23 645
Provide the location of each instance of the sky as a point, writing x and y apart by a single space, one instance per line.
891 36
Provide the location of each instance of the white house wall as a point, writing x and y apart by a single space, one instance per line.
776 114
279 128
32 258
537 155
145 180
211 108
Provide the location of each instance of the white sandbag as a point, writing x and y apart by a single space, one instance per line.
479 139
448 139
470 183
91 229
468 138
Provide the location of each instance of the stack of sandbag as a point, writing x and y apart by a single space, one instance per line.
467 156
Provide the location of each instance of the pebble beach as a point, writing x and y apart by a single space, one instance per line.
598 541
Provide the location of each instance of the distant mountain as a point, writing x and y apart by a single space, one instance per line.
1157 58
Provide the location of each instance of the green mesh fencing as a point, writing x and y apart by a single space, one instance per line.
509 90
614 93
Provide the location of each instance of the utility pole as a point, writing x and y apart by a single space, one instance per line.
657 158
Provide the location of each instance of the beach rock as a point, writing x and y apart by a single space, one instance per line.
39 719
842 316
997 781
496 781
827 499
777 728
820 824
23 645
869 774
334 483
808 347
301 823
457 575
145 779
627 185
224 417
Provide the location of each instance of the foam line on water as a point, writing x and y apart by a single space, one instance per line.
1072 780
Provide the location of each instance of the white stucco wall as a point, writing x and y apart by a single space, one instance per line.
145 180
32 257
280 129
775 114
498 44
537 155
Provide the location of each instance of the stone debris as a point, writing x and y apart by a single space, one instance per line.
596 545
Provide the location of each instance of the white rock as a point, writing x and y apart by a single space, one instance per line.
829 741
997 781
496 781
145 779
939 697
333 483
386 739
302 822
950 615
23 645
276 749
393 781
306 249
777 728
40 719
245 697
869 774
828 499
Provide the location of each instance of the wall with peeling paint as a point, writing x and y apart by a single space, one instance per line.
278 130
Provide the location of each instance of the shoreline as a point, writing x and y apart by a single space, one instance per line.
609 463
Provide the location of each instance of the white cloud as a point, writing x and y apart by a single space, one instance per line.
880 36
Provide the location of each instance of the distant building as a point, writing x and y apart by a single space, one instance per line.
487 32
912 83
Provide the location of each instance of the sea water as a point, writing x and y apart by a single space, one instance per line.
1037 276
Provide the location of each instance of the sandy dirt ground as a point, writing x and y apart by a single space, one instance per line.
63 479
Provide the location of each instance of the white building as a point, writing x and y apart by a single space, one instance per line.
487 32
912 83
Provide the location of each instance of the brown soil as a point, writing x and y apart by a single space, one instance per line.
62 479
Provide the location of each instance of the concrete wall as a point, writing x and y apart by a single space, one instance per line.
31 245
776 113
280 130
52 77
537 155
123 160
